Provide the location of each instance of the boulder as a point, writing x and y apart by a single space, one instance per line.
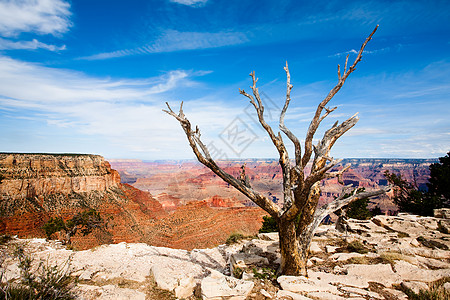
344 256
415 286
360 292
330 249
339 280
242 260
381 273
314 248
287 295
410 272
210 258
218 286
269 236
304 284
170 273
443 213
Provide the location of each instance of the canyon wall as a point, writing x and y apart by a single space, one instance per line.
176 183
36 187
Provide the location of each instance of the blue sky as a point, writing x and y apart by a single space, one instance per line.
92 76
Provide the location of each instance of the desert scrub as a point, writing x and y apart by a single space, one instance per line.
4 239
436 291
236 237
357 247
41 282
431 244
265 273
238 272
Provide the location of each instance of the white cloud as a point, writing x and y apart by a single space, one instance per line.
28 45
173 40
193 3
38 16
43 85
126 113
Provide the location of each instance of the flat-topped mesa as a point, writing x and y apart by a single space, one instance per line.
31 175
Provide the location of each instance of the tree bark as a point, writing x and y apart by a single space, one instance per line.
293 257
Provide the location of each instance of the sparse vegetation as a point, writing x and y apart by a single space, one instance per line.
234 238
409 198
41 282
357 247
269 225
431 244
237 272
4 239
436 291
85 222
265 273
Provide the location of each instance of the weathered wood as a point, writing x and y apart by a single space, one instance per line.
299 217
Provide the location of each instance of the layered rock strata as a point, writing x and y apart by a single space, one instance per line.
36 187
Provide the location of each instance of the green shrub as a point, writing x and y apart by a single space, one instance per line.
234 238
409 198
237 273
4 239
269 225
85 221
53 225
265 273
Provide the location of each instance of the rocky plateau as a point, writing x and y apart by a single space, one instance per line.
397 255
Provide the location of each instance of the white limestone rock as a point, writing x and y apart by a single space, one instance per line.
415 286
217 286
344 256
330 249
303 284
287 295
211 258
269 236
381 273
410 272
314 248
169 273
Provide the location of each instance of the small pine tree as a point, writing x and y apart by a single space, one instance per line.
269 225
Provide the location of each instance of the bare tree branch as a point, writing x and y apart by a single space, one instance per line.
289 134
276 140
315 122
335 205
195 142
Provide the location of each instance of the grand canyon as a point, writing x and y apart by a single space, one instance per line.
178 204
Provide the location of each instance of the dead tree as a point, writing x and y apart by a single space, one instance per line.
299 216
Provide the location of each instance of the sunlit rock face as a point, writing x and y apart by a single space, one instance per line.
36 187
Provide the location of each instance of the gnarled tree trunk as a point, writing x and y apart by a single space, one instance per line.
299 217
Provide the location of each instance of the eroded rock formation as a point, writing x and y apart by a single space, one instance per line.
36 187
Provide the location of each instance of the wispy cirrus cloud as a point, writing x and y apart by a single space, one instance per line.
125 113
173 40
38 16
6 44
354 51
193 3
44 86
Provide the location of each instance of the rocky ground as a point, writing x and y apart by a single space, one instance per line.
387 257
